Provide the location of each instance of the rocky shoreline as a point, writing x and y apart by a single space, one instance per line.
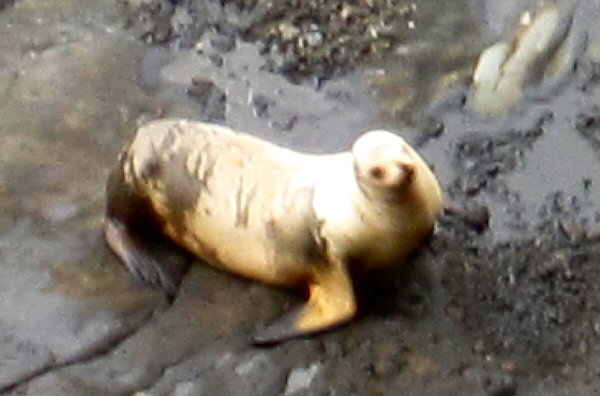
503 301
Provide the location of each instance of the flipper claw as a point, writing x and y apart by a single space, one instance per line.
282 329
331 303
138 261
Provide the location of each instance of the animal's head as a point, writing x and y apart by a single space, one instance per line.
388 168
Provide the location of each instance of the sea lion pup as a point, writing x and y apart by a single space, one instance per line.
272 214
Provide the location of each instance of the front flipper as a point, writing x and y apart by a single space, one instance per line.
331 303
138 261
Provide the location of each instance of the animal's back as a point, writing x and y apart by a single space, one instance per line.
238 202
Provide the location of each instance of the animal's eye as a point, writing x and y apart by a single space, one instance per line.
377 172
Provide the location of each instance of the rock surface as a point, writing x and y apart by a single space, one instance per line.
503 301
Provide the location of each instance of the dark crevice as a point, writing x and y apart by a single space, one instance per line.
243 346
85 357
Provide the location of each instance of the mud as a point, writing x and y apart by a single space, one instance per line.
503 301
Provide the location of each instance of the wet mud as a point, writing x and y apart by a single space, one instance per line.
502 301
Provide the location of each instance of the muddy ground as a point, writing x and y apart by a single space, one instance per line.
503 301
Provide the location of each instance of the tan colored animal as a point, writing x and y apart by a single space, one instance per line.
272 214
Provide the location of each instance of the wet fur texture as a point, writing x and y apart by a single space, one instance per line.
272 214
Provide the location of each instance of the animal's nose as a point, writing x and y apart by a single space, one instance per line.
407 168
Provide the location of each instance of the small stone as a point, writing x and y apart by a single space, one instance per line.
383 369
210 97
261 106
59 212
223 360
285 123
387 359
250 365
200 88
479 347
216 59
288 31
314 39
572 230
430 128
331 348
223 43
301 378
596 327
500 384
477 217
187 388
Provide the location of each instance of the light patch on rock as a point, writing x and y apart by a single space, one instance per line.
301 378
250 365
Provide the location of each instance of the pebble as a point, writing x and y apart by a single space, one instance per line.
60 211
301 378
250 365
500 385
223 43
314 39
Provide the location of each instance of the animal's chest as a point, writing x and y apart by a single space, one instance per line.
392 246
374 240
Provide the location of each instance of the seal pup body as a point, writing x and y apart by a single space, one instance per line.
272 214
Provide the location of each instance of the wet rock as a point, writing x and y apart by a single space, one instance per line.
574 232
216 60
482 160
251 374
53 385
499 384
285 122
64 299
251 364
429 128
333 349
475 216
189 21
313 38
387 359
149 19
21 359
210 97
261 105
588 125
187 388
531 299
61 211
300 379
54 327
541 292
321 39
223 43
288 31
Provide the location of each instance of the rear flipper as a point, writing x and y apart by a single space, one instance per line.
331 303
136 258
